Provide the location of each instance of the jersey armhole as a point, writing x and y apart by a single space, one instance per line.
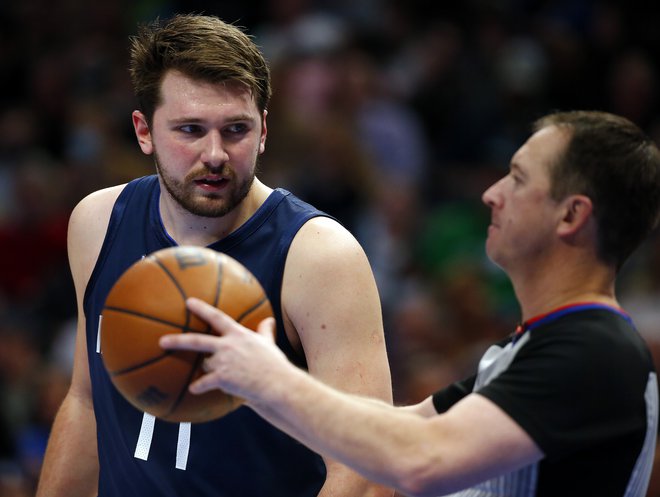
116 215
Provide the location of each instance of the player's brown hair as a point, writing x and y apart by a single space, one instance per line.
201 47
614 163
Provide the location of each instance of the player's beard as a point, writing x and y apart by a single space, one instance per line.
209 205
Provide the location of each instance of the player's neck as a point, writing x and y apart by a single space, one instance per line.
189 229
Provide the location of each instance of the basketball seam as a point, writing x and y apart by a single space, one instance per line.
177 285
121 310
135 367
147 317
251 309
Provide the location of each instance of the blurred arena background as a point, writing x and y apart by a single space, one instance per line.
392 115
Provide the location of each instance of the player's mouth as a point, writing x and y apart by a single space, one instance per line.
211 183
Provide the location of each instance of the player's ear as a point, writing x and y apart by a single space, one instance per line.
264 132
577 211
142 132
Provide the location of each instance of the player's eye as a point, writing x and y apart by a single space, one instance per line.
236 129
190 128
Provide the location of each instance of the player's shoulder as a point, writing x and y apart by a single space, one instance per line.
324 246
88 224
90 217
97 203
326 234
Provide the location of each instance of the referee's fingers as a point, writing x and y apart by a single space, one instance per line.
197 342
220 322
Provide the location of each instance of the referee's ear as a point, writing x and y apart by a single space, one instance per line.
576 216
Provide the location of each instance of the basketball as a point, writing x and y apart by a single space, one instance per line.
148 301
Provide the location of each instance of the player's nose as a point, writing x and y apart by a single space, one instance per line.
214 153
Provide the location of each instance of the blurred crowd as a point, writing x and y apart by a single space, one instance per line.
392 115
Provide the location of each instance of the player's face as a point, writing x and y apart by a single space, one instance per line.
523 215
205 139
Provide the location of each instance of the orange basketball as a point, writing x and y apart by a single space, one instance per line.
148 301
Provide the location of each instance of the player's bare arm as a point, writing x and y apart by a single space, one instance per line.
71 465
332 308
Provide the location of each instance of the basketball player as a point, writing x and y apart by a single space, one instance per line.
566 406
203 89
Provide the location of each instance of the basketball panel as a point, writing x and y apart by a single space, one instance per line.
205 407
146 289
156 387
128 340
256 315
240 291
196 271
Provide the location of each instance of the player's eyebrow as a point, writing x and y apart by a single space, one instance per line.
197 120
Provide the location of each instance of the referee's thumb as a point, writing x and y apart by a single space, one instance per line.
266 329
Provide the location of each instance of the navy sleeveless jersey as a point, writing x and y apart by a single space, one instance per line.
237 455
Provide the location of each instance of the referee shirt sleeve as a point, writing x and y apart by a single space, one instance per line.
447 397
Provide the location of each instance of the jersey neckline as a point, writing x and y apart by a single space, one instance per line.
564 310
235 236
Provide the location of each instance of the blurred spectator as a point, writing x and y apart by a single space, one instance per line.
632 87
34 237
